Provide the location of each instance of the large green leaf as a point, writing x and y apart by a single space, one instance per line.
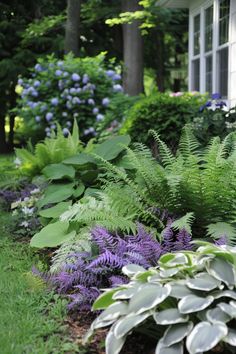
59 171
194 303
114 311
56 193
52 235
173 349
231 337
222 270
126 324
179 290
55 211
104 300
113 344
217 315
205 336
204 282
80 159
111 148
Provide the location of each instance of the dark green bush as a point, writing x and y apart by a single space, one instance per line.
163 113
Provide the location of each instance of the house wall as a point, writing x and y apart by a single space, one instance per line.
232 48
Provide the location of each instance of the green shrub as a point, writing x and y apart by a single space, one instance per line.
59 91
186 303
163 113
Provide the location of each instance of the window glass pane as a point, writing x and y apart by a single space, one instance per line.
223 72
209 74
224 21
208 28
196 75
196 34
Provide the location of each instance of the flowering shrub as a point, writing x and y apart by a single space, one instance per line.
84 273
187 303
64 90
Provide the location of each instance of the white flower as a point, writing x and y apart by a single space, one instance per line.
27 211
24 223
35 191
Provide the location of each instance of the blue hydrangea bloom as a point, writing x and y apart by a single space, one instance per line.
76 100
85 79
38 67
37 83
65 74
58 72
117 88
47 130
99 117
105 101
72 90
65 131
78 90
95 110
69 124
53 126
75 77
34 93
49 116
91 101
37 119
43 108
60 63
20 82
110 73
68 105
64 114
116 77
48 134
54 101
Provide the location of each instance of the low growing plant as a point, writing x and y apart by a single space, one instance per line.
187 302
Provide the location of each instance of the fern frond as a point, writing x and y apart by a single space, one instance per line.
184 223
165 153
221 229
188 144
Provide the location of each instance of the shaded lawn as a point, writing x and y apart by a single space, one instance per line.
31 320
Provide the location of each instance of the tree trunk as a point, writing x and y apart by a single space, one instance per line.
11 119
3 144
160 69
72 27
132 52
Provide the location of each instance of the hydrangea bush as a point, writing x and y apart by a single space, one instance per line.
187 303
64 90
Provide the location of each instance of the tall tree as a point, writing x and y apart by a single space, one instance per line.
72 27
132 51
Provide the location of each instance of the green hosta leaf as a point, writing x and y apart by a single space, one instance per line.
132 269
89 176
125 325
224 293
222 270
80 159
176 333
147 297
173 349
55 211
52 235
79 190
228 309
194 303
59 171
169 316
179 290
217 315
156 278
143 277
203 281
105 299
56 193
113 344
205 336
231 337
111 148
114 311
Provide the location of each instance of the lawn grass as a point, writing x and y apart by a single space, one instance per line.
31 320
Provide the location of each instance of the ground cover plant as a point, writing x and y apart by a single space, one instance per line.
59 91
188 301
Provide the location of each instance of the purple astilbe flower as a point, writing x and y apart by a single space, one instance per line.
183 241
115 280
221 241
168 237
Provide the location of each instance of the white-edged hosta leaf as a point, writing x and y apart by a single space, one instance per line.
173 349
194 303
154 278
205 336
228 309
203 281
222 270
233 303
132 269
125 293
170 260
126 324
217 315
169 316
224 293
148 297
113 344
231 337
179 290
176 333
114 311
105 299
166 273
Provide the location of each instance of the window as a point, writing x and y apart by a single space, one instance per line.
208 26
197 34
196 75
210 47
224 21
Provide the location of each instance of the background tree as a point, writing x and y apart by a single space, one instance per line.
73 27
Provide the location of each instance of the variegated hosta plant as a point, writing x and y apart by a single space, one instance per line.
188 301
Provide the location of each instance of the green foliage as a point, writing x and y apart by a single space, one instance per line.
51 151
59 91
189 300
163 113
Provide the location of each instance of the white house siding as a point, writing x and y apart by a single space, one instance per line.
232 55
